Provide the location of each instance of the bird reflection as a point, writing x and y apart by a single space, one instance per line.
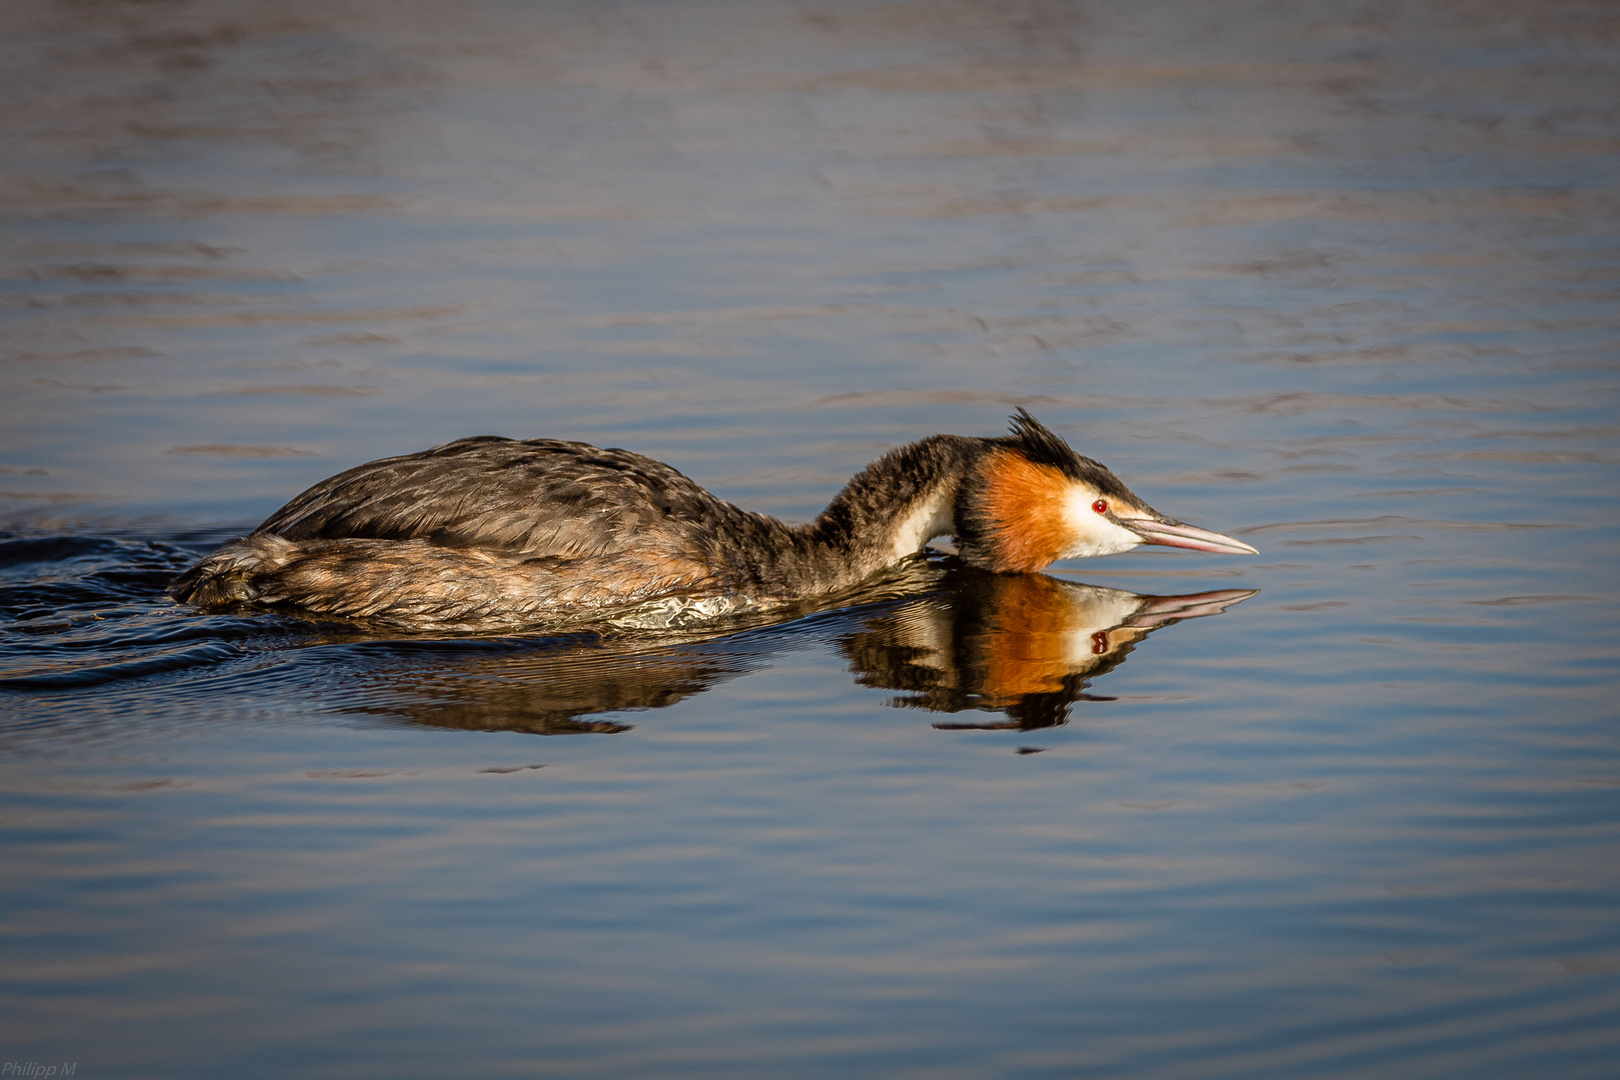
553 690
1023 646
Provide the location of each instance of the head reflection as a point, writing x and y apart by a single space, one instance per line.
1023 646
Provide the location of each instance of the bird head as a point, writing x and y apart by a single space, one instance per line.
1031 500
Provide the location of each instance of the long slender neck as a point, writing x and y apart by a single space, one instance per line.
895 505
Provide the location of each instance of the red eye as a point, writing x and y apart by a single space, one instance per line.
1100 506
1099 643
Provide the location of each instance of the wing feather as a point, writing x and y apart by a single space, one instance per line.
540 497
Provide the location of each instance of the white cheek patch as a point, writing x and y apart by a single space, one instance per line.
1092 533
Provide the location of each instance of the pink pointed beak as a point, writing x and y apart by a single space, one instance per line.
1175 534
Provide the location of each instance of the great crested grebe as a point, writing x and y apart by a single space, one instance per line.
490 533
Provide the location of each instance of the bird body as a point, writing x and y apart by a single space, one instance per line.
491 533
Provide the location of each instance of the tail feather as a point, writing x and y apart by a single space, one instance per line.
228 575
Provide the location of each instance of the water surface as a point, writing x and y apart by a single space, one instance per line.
1336 278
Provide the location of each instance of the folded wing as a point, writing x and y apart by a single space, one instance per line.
537 497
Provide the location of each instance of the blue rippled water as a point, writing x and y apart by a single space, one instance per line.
1336 278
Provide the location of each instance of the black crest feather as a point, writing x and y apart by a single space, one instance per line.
1043 446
